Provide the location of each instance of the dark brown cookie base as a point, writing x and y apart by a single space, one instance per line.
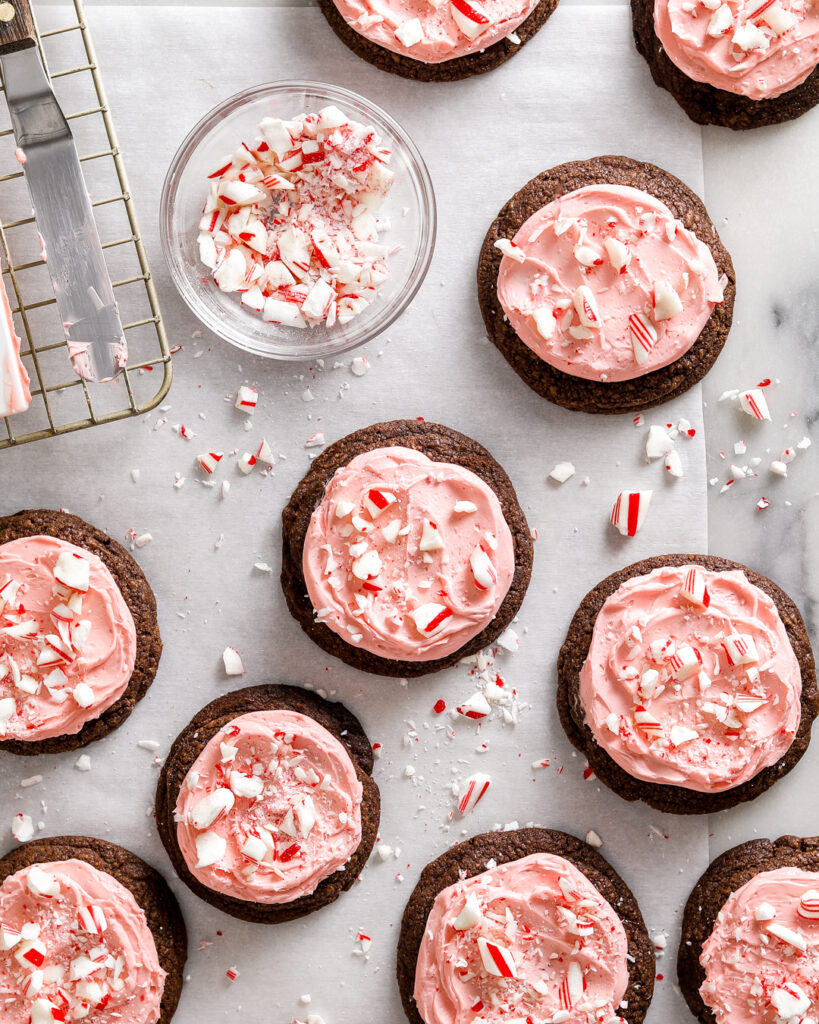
725 875
190 743
441 444
138 596
590 395
471 856
448 71
146 885
675 799
705 104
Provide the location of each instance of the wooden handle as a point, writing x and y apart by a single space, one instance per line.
16 26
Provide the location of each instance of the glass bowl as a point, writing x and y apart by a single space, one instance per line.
409 205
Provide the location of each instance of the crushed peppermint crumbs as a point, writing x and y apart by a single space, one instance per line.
290 221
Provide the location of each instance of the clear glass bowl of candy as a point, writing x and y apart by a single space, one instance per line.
298 220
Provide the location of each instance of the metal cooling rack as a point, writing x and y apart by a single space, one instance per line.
61 401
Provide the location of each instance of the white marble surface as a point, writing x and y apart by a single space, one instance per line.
760 193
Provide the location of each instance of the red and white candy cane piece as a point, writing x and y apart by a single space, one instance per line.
30 954
431 539
73 571
45 1012
497 960
754 403
377 500
9 937
91 920
209 461
476 707
629 511
643 336
571 988
809 905
789 1001
42 883
685 662
747 703
367 566
740 649
647 723
470 914
32 984
483 572
510 248
694 590
470 17
246 462
430 618
246 398
473 791
585 305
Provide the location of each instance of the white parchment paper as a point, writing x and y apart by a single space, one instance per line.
577 90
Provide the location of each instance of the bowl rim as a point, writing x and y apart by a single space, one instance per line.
197 134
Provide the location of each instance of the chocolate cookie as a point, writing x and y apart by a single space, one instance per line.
447 71
577 393
441 444
724 876
705 104
137 594
146 885
193 739
471 857
675 799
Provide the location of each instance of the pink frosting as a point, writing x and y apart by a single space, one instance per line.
77 654
417 579
15 395
755 48
661 694
85 952
444 29
762 958
565 246
290 810
566 945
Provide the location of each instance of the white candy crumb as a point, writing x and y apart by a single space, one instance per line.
593 839
562 472
232 662
83 763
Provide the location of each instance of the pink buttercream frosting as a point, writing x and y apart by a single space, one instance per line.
15 394
405 557
66 654
270 807
434 32
755 48
762 958
530 940
686 695
613 246
74 944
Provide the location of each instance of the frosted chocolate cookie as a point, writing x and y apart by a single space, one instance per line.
740 65
88 931
266 804
436 42
688 681
529 925
79 640
749 949
605 286
404 549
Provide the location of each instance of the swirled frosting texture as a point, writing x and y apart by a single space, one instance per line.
447 29
65 655
417 578
86 952
621 245
287 806
755 48
752 974
532 912
698 697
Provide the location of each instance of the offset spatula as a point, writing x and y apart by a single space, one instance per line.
62 209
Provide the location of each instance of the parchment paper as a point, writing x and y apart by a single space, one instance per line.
577 90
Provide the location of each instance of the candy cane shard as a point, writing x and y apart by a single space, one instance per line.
629 511
809 905
643 336
473 791
470 914
790 1001
754 403
740 649
483 571
694 590
15 394
667 302
470 17
585 306
430 618
788 936
376 501
511 249
497 960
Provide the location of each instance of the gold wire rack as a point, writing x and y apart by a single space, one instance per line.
61 401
